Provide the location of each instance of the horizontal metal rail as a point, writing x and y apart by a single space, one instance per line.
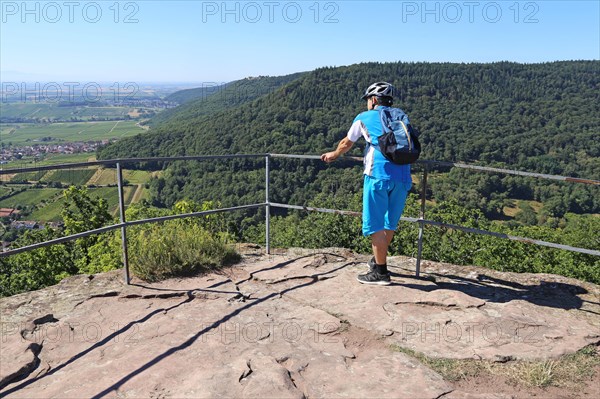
448 225
292 156
313 209
463 166
335 211
317 157
512 172
193 214
125 161
105 229
267 204
513 238
61 240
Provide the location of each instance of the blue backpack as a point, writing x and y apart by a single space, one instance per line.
399 142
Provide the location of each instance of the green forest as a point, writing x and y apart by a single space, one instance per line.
212 98
541 118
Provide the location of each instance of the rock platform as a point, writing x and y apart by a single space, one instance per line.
290 325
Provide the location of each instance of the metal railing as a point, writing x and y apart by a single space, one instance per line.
268 204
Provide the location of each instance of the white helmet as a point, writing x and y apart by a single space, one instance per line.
379 89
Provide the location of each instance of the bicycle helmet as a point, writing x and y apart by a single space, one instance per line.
379 89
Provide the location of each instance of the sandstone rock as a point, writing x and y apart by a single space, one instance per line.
280 326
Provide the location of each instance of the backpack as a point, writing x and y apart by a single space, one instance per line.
399 142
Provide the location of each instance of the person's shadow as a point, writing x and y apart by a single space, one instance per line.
492 289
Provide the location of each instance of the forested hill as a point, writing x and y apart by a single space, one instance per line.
187 95
540 117
537 117
211 98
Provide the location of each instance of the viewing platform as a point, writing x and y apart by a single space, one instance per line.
297 324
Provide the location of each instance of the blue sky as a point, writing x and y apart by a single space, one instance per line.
215 41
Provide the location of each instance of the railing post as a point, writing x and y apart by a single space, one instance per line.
421 218
123 229
267 208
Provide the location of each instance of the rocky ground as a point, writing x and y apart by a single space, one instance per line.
296 325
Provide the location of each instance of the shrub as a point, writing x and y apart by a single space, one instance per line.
176 248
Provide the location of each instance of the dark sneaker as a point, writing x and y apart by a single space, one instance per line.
374 278
371 265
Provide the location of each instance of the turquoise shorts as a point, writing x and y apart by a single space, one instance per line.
383 203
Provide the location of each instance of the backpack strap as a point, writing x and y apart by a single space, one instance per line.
385 116
408 136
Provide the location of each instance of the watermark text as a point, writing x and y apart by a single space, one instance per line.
253 12
470 11
69 11
73 92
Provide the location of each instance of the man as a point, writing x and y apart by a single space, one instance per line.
385 186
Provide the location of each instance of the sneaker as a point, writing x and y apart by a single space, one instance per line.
371 265
374 278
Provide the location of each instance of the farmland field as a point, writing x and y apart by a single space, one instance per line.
54 159
76 177
54 112
49 159
137 176
5 191
28 176
105 176
51 212
65 132
46 203
29 197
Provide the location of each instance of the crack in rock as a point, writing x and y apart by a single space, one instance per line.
297 383
318 276
444 394
33 326
103 295
284 279
312 277
246 372
439 304
282 359
316 261
167 295
293 381
49 318
240 296
27 368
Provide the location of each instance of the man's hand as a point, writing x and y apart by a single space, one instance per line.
329 156
342 148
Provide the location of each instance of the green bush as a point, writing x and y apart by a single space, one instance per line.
38 268
176 248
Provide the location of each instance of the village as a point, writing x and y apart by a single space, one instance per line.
8 154
8 220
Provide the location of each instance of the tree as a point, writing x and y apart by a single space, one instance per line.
81 213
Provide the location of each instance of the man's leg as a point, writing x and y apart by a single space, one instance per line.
397 193
380 242
375 204
378 273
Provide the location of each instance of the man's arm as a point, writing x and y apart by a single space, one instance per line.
343 147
